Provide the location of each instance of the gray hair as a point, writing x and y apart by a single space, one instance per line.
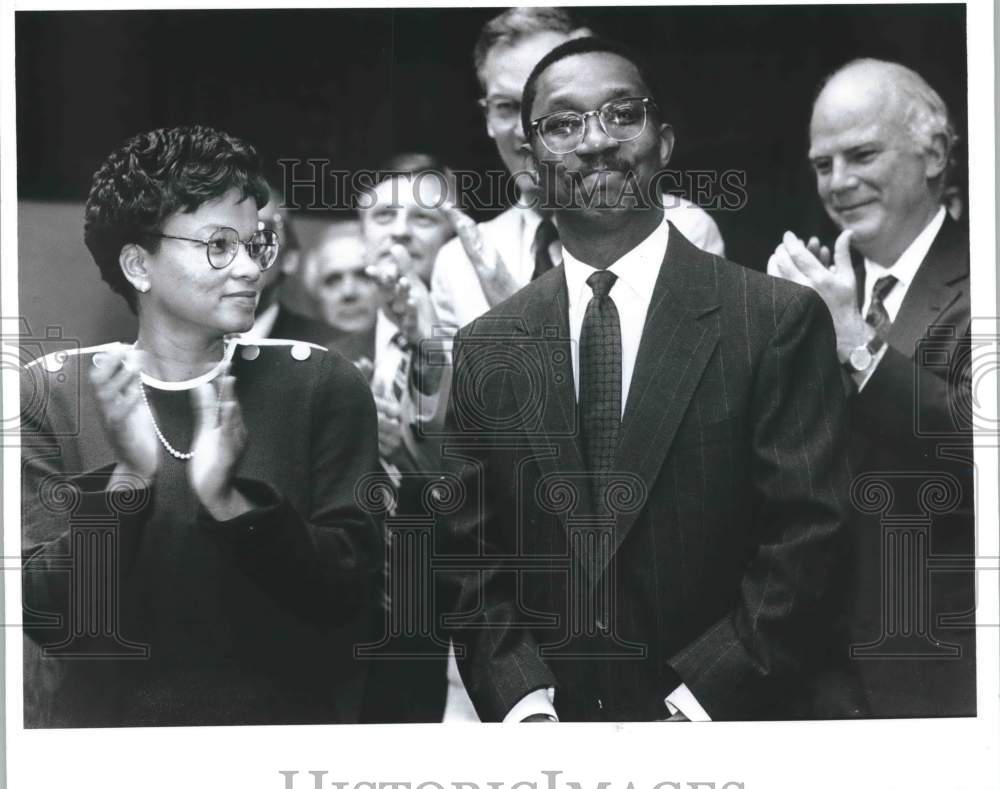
924 113
515 24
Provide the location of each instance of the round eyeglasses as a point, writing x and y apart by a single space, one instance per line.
501 113
222 246
621 119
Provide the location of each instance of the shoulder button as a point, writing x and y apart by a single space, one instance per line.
54 361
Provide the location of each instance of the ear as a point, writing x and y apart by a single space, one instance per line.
666 143
133 263
289 262
489 131
936 156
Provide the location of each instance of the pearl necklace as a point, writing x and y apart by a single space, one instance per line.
159 433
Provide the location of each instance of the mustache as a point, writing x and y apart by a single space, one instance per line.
610 164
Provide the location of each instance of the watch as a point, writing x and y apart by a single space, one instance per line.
861 358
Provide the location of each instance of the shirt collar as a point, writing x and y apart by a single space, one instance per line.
905 267
638 268
263 323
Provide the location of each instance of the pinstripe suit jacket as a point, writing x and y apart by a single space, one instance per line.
719 567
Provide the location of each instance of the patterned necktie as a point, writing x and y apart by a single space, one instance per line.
877 317
600 382
544 236
401 379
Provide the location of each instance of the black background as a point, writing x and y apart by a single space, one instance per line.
355 86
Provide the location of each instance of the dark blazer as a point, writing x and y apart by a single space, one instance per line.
911 444
294 326
722 565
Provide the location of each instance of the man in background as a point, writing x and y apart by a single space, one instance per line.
897 286
284 298
521 243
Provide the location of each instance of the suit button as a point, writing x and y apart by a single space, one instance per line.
600 704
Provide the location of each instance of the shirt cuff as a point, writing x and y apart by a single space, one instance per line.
538 702
682 700
860 379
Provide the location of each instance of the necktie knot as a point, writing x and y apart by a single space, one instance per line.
545 234
878 317
601 282
882 287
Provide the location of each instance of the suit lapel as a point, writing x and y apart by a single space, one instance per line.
677 342
556 442
940 280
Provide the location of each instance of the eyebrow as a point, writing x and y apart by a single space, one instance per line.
212 227
562 101
852 148
356 271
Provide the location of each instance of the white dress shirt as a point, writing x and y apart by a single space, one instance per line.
458 297
904 270
637 271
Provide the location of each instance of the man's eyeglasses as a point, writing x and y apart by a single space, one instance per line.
501 112
222 246
621 119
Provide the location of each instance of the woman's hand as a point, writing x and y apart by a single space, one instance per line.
219 440
127 422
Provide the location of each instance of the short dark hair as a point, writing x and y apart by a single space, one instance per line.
515 24
414 165
154 175
581 46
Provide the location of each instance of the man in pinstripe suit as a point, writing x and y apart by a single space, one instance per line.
650 441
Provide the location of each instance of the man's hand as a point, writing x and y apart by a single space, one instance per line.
808 265
390 428
406 300
494 277
127 422
219 440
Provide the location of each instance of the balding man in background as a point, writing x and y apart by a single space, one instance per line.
897 286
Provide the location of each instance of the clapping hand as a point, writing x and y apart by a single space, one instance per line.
407 302
494 277
219 440
116 378
810 265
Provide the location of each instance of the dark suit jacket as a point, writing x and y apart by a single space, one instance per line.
721 567
910 430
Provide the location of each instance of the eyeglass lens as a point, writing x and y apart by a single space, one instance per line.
224 243
622 120
502 112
